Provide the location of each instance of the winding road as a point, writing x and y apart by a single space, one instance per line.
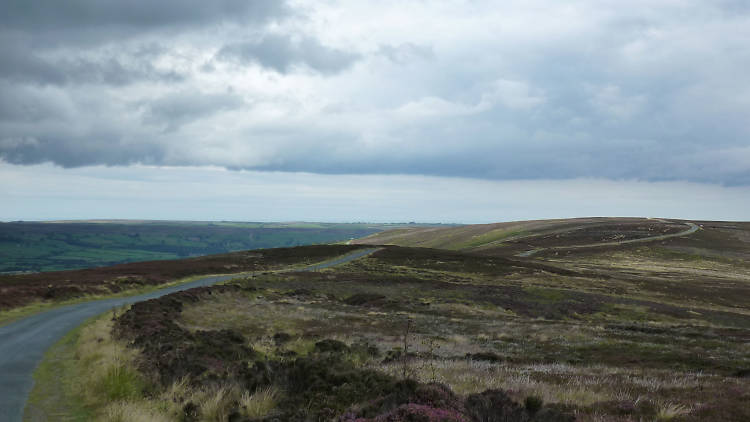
24 342
693 228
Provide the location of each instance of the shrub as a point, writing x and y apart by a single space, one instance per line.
494 406
412 412
533 404
549 414
327 385
281 338
436 396
365 299
331 346
485 356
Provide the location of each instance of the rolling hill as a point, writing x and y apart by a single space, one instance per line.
610 319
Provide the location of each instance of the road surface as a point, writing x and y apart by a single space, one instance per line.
24 342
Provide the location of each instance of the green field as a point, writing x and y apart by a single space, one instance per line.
50 246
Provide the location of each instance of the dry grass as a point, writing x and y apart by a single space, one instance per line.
670 411
215 405
132 412
108 366
468 377
109 383
565 384
260 404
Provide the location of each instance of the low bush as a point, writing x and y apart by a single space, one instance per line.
497 406
533 404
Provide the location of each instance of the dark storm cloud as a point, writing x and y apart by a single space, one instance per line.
81 149
51 42
25 66
46 124
544 91
41 16
282 53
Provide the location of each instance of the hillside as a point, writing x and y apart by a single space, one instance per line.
652 330
546 238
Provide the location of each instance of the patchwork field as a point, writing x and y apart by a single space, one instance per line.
646 331
65 245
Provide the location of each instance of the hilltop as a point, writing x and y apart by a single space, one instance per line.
580 236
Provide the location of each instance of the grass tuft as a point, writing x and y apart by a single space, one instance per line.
122 411
120 383
670 411
258 405
216 405
109 366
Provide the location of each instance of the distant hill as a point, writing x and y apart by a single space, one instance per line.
63 245
578 235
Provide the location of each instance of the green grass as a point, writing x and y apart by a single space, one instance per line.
546 295
122 383
494 236
53 396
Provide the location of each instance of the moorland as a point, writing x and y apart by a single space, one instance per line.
609 319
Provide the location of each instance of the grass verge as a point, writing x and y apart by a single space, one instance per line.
10 315
52 397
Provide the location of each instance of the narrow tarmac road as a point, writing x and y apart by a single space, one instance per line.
24 342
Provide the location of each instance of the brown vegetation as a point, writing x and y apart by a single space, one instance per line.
637 332
22 289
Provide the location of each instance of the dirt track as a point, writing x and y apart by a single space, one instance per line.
693 228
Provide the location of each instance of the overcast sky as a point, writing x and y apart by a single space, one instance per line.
456 111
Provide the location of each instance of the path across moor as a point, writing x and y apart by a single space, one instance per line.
693 228
24 342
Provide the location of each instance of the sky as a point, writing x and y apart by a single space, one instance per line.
435 111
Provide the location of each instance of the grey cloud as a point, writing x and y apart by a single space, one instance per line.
49 124
75 150
174 110
630 96
136 15
20 65
282 53
27 67
22 106
50 42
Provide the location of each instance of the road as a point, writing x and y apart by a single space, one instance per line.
24 342
693 228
